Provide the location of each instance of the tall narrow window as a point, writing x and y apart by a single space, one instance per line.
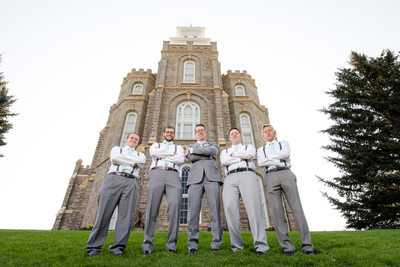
137 89
189 71
129 127
240 90
184 199
247 131
187 116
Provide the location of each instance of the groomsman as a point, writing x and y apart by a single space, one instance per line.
118 189
279 179
241 181
203 178
164 178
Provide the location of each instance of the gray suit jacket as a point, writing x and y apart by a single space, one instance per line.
203 162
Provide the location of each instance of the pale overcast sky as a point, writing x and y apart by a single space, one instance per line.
65 62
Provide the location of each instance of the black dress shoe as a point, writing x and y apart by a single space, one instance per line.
289 253
310 252
260 252
214 249
146 253
172 250
192 251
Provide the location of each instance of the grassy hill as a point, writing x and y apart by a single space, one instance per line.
67 248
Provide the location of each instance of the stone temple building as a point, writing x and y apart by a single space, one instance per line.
187 89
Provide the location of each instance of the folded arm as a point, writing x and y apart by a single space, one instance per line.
178 157
119 158
245 154
263 160
226 159
209 150
160 152
283 154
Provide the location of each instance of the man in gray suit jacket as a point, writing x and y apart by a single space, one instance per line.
203 177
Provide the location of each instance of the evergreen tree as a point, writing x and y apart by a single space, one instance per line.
365 139
5 104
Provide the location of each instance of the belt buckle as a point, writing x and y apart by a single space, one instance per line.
165 168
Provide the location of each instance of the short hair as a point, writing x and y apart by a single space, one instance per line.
199 125
131 134
234 128
268 125
169 127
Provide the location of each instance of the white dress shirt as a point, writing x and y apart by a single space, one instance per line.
238 156
123 160
276 156
163 155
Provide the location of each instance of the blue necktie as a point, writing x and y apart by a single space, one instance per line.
130 151
272 148
166 161
236 149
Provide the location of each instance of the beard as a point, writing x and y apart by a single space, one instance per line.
168 139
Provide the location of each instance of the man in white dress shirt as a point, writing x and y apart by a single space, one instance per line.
275 158
241 181
118 189
164 179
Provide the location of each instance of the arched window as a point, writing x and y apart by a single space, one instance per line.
240 90
137 89
247 131
187 116
129 127
183 216
189 71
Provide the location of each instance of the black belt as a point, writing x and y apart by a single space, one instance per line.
164 169
241 170
127 175
277 169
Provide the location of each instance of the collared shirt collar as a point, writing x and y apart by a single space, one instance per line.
127 147
201 142
166 142
238 145
273 142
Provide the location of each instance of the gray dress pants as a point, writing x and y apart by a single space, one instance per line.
244 184
196 192
162 182
115 191
279 182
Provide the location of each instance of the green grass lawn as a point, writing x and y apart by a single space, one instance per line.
67 248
